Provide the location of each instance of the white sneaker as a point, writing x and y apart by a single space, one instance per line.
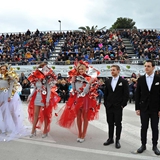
82 140
78 139
45 135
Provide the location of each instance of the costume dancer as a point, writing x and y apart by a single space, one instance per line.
82 104
43 98
11 115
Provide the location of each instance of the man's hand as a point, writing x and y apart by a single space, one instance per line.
138 112
159 113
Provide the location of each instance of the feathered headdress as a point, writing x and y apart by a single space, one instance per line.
90 71
35 76
77 63
11 75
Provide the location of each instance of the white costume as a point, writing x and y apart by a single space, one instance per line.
11 119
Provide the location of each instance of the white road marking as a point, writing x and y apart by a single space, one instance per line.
94 151
130 132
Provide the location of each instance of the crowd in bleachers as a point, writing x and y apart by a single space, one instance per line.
146 44
27 48
100 46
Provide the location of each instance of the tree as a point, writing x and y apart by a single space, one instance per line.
87 29
124 23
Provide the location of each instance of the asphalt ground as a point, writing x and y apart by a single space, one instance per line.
61 144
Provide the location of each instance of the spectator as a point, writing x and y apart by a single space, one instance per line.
22 78
25 89
131 89
64 90
59 76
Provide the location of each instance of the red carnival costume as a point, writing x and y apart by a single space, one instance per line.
83 95
47 77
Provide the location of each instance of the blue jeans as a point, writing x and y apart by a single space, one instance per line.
100 95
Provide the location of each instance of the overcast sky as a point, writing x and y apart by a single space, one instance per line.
20 15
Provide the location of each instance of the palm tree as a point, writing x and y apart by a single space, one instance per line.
93 29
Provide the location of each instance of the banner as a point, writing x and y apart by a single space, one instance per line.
126 69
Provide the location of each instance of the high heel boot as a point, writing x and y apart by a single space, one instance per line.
33 134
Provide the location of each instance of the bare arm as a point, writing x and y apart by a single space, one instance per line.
48 93
29 97
11 83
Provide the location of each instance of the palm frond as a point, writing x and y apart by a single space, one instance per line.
102 28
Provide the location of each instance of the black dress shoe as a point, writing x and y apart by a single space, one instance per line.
108 142
141 149
156 150
117 145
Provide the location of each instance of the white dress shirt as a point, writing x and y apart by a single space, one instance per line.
149 80
114 82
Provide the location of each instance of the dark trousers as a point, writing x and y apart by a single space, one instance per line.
64 97
114 117
145 117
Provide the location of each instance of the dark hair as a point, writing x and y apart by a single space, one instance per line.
116 66
152 62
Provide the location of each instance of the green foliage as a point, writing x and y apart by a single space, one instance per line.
53 67
18 68
34 67
70 67
125 23
128 67
108 67
88 29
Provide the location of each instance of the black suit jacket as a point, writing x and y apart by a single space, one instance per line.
148 100
63 87
118 97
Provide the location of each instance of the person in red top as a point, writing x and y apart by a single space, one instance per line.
43 98
81 106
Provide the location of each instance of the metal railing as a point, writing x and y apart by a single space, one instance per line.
157 30
133 62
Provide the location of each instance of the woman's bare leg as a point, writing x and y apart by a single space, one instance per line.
45 125
85 124
79 123
35 120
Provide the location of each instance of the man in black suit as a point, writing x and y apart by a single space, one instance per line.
116 96
148 105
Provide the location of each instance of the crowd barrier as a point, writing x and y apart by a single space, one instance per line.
68 62
127 67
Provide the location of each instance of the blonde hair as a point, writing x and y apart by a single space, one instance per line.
81 65
101 81
41 65
4 65
58 81
63 81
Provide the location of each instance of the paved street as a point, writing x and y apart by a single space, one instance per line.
61 143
